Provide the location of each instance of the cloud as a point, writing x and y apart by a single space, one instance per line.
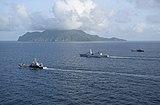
17 19
139 27
21 10
38 21
153 19
68 14
4 21
78 14
148 13
81 8
85 15
143 4
110 14
123 16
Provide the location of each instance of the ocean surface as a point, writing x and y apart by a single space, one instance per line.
126 78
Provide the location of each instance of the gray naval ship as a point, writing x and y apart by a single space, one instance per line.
90 54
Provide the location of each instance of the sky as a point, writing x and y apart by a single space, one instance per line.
133 20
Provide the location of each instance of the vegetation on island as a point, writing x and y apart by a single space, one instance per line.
63 36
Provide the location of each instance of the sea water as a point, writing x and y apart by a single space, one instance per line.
125 78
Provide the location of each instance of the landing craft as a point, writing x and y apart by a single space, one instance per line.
138 50
34 65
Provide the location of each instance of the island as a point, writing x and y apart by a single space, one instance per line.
63 36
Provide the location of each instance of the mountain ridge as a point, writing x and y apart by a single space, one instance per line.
63 36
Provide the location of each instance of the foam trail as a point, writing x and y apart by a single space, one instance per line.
138 58
122 57
101 72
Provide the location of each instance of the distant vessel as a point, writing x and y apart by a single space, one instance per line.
34 65
138 50
90 54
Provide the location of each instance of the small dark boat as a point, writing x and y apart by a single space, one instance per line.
22 65
90 54
138 50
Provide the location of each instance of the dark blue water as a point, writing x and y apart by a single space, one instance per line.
127 78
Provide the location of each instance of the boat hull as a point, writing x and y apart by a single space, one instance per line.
36 67
137 50
94 56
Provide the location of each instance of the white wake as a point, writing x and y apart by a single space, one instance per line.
101 72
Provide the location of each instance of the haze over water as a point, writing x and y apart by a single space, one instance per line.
124 78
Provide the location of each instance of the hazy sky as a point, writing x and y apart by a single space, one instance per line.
127 19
